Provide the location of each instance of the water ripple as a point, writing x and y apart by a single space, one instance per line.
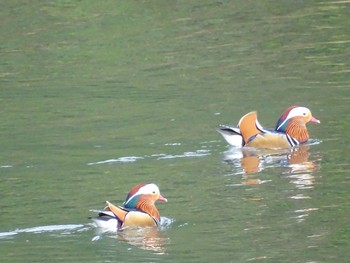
6 166
126 159
197 153
65 229
295 162
157 156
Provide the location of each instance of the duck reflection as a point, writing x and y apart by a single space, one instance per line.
148 238
297 165
251 160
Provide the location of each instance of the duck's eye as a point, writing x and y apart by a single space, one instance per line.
304 113
153 192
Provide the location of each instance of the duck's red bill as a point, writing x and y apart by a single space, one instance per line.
162 199
313 119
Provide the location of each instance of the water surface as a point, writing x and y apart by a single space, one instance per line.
97 97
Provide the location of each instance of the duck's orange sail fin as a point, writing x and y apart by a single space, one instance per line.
248 126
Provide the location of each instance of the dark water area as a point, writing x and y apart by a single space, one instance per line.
97 97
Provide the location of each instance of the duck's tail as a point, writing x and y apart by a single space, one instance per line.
231 134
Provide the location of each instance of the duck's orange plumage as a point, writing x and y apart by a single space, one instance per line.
290 130
138 209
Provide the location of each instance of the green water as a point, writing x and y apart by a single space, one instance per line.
98 96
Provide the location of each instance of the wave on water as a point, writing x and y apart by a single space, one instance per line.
6 166
126 159
157 156
197 153
313 142
63 229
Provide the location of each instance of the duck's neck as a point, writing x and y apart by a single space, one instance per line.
146 205
296 128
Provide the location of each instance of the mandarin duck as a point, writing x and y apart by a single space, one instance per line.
138 209
290 130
